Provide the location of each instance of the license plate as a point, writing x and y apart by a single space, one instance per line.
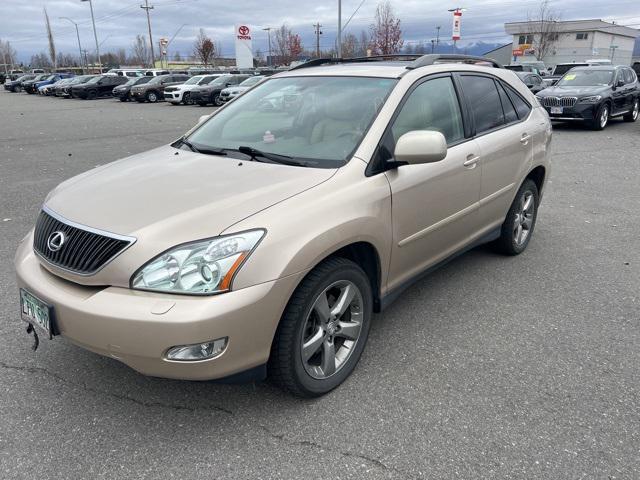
556 110
35 311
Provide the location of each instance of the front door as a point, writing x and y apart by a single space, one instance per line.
434 206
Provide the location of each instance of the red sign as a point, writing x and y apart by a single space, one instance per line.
457 21
244 33
517 53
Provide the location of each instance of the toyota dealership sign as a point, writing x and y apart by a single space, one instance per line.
244 52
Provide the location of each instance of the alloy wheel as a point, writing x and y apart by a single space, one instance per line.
186 98
524 219
332 329
636 109
604 116
152 97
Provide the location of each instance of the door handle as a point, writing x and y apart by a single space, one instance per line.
471 161
525 138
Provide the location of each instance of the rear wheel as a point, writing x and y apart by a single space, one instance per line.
632 116
601 119
517 228
323 330
152 97
91 94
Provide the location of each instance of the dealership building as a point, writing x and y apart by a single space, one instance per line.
575 41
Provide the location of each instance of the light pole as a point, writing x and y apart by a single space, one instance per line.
438 35
78 35
268 30
95 35
148 7
339 28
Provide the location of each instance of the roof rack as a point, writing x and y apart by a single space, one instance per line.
417 61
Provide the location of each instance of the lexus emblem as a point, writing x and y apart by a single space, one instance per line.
56 241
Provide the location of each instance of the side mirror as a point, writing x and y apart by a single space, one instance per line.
203 118
620 83
420 146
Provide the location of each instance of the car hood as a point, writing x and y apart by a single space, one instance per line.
177 194
567 91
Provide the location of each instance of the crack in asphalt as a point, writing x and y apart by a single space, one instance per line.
280 437
117 396
309 443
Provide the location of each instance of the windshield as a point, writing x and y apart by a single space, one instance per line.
251 81
95 80
319 121
220 80
586 78
193 80
562 69
137 81
157 80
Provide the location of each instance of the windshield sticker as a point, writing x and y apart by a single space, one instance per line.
268 137
570 76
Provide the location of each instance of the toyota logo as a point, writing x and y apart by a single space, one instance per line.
55 241
243 30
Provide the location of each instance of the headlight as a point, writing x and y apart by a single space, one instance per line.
592 99
204 267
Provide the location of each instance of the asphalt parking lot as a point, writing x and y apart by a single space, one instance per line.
491 367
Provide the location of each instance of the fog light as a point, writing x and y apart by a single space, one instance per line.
198 351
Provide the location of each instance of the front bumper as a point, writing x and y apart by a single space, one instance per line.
137 327
579 112
173 96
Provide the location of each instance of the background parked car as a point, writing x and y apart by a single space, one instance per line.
125 72
153 91
16 85
182 93
210 93
533 81
100 86
28 85
49 80
123 92
65 89
50 89
232 92
593 95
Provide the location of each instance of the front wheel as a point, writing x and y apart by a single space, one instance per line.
517 228
186 99
124 98
323 330
216 100
632 116
601 119
152 97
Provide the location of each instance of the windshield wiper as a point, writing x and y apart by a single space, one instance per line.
255 154
203 150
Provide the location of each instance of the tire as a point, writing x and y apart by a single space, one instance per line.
124 98
91 94
517 229
186 98
202 104
151 97
601 120
301 323
18 89
216 100
632 116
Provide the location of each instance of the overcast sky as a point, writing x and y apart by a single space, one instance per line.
118 21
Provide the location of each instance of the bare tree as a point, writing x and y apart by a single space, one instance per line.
8 54
66 60
40 60
386 35
288 45
364 44
52 45
543 24
349 46
203 48
140 51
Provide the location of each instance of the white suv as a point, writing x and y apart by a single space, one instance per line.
180 93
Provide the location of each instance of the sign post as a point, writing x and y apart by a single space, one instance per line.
244 51
457 26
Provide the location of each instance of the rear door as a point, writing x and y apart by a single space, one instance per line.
434 206
504 140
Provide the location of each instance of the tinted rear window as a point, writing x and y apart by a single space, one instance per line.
484 100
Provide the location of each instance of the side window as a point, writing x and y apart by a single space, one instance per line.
536 79
433 105
510 114
484 100
522 108
628 75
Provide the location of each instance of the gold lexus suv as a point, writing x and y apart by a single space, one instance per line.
263 240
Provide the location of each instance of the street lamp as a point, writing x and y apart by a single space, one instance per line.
339 28
78 35
95 35
268 30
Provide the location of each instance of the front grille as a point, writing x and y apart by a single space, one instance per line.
560 101
83 251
